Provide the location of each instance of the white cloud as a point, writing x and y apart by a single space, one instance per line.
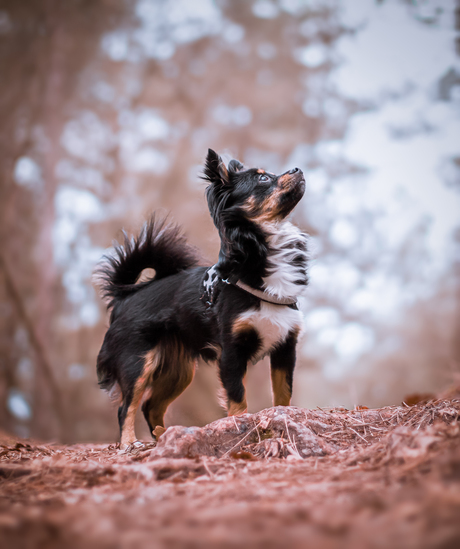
404 185
391 50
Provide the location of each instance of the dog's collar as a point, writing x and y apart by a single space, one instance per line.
211 277
264 296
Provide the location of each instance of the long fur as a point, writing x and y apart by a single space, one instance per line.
167 318
287 259
160 246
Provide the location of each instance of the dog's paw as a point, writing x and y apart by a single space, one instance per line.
138 444
131 447
158 431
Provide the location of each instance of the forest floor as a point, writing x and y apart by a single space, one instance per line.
284 477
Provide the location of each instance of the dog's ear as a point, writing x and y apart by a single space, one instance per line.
235 166
215 170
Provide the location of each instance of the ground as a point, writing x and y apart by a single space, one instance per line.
285 477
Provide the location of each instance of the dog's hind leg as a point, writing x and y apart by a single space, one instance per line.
173 375
282 363
132 395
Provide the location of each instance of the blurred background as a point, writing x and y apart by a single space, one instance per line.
107 110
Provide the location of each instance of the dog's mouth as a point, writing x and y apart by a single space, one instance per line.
292 190
301 184
291 178
293 182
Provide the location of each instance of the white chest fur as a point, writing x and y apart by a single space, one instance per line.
287 261
273 323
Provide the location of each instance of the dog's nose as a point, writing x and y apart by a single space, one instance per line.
294 170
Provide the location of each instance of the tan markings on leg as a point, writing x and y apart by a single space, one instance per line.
158 431
173 377
280 388
241 325
237 408
229 405
128 434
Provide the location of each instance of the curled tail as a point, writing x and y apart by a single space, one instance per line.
159 246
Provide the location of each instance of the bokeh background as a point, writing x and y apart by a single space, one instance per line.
107 110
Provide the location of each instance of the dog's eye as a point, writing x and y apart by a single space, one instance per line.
264 178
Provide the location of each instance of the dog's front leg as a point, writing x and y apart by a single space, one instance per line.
282 364
232 369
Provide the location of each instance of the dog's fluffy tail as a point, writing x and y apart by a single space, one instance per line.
160 246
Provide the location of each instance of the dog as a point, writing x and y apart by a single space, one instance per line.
233 313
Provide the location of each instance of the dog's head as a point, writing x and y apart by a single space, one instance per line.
253 194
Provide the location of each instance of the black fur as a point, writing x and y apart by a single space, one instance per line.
160 246
165 318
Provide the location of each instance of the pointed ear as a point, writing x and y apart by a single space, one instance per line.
235 166
214 169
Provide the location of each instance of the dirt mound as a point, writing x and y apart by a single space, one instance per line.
283 477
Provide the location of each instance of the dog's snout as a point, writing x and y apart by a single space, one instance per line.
294 170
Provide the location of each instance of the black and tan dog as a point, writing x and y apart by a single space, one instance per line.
234 312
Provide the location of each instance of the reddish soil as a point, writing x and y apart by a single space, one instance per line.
285 477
